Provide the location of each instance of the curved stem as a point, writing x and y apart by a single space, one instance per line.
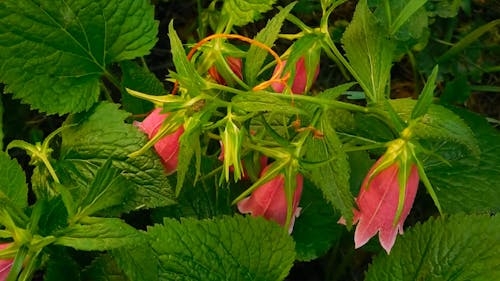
251 41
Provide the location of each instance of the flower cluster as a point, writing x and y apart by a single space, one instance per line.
268 200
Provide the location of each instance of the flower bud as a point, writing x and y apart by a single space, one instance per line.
234 63
299 82
269 200
5 264
168 146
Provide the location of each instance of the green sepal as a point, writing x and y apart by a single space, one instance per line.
17 265
405 166
425 98
171 124
290 187
425 180
274 169
232 137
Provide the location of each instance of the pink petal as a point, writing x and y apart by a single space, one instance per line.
167 147
269 201
300 80
234 63
5 264
378 204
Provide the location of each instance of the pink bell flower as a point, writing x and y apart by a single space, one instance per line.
167 147
300 80
234 63
5 264
378 202
269 201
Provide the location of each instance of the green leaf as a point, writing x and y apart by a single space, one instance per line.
99 135
316 229
60 265
457 90
227 248
266 36
186 74
103 268
438 123
263 101
407 19
332 176
139 79
48 216
13 185
456 247
108 189
98 234
468 183
201 199
190 146
132 261
467 40
369 51
443 8
241 12
52 54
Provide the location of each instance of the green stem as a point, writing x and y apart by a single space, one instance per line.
49 167
113 80
364 147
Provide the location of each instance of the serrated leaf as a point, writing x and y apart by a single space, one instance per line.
369 51
459 247
438 123
139 79
60 265
266 36
241 12
186 74
265 102
316 229
13 185
132 261
469 184
52 54
201 199
103 268
101 134
227 248
108 189
98 234
49 215
332 176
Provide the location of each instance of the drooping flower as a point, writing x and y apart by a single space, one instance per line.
5 264
300 80
269 200
168 146
378 202
234 63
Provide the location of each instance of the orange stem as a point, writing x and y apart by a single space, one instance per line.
263 85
